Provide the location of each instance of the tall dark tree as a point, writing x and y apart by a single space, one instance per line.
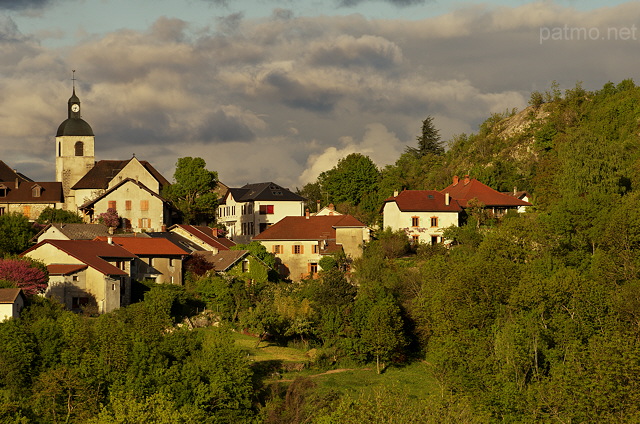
429 141
192 193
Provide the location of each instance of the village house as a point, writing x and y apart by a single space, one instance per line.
12 301
421 214
468 189
86 272
240 263
157 259
299 242
249 210
18 193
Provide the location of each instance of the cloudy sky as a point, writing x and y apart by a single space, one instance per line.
280 90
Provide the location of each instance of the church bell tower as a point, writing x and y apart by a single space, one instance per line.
75 154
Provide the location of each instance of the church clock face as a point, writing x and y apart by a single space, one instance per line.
75 108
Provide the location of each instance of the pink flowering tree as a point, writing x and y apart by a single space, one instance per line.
24 273
110 218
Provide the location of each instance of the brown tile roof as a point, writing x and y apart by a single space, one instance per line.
207 235
225 259
8 174
311 228
147 246
50 192
10 295
91 252
466 189
64 269
424 201
105 170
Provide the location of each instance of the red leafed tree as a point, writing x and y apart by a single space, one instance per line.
24 274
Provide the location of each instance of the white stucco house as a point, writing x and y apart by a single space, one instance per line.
249 210
422 214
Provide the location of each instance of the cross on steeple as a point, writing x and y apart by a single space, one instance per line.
73 78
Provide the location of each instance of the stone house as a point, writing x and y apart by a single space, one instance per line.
12 300
86 272
299 242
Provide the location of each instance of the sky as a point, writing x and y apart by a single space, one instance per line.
281 90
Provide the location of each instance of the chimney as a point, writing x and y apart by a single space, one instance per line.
515 191
447 199
466 179
163 228
317 206
395 193
110 240
306 213
17 183
331 208
214 231
455 180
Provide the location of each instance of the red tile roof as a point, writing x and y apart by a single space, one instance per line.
208 235
146 246
311 228
91 252
64 269
424 201
466 189
105 170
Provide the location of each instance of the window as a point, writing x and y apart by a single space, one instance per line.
171 261
3 190
111 204
434 239
313 268
35 191
113 286
74 278
59 149
316 248
266 209
144 223
2 211
79 148
434 221
127 205
245 266
297 249
415 239
277 248
415 221
78 302
251 228
144 205
150 261
26 211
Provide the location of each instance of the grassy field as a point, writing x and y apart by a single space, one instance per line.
415 379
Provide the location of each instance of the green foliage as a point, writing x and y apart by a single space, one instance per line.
51 215
192 193
429 141
15 233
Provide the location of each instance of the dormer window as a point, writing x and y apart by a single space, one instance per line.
36 191
3 190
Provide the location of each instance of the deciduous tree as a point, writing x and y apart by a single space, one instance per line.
192 193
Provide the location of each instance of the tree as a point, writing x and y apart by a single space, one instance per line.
50 215
383 333
24 275
353 179
193 191
429 141
15 232
110 218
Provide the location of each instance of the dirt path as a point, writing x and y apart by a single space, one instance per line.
324 373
